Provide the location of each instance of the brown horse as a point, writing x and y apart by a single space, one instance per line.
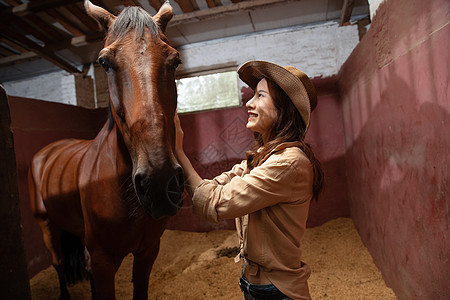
114 194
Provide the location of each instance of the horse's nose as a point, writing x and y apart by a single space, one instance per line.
175 187
160 192
142 184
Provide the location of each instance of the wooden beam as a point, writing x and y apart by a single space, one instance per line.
18 59
194 5
6 51
210 3
5 31
74 30
346 11
131 3
185 5
82 16
18 22
83 40
12 2
221 10
35 6
155 4
13 45
56 35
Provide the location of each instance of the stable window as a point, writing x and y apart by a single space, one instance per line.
206 92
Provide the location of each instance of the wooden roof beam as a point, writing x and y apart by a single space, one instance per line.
35 6
185 5
50 30
131 3
13 45
82 16
346 11
74 30
28 28
220 10
18 59
51 57
210 3
155 4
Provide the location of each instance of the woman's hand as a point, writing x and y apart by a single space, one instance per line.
192 177
179 135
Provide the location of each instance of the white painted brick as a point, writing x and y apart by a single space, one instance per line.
318 50
56 87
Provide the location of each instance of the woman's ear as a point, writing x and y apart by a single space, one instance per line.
163 16
103 17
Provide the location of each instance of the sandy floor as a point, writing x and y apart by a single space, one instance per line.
188 268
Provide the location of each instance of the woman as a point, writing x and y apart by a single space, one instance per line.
268 193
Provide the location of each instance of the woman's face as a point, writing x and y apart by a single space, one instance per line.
262 113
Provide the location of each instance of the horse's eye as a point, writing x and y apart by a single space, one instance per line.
104 63
177 63
174 60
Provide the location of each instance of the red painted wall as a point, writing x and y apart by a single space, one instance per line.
214 141
395 100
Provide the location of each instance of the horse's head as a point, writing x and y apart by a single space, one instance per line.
140 66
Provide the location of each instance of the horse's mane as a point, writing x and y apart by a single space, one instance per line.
132 18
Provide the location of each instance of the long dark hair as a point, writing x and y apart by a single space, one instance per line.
289 127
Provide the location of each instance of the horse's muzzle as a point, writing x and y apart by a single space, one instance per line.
160 193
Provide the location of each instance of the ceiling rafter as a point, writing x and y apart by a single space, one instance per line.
185 5
221 10
82 16
33 19
46 27
131 3
35 6
69 26
7 32
346 13
156 4
32 30
55 34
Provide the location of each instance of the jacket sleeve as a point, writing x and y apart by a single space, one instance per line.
266 185
226 177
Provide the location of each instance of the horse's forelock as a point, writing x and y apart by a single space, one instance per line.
133 18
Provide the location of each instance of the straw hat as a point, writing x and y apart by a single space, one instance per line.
294 83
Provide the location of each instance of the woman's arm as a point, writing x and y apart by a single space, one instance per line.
192 177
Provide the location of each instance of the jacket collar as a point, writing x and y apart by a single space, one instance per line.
280 147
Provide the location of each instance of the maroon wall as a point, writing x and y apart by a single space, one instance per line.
214 141
395 100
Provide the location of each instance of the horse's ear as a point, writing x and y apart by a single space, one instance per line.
103 17
163 16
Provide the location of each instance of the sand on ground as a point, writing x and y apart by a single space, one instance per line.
188 267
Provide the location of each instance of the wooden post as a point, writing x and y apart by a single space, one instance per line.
14 282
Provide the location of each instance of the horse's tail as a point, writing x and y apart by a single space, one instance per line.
74 258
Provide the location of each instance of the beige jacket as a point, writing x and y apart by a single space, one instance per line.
271 204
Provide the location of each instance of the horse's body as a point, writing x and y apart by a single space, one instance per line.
116 192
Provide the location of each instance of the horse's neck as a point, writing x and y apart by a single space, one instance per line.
109 141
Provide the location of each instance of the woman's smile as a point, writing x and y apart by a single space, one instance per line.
262 113
252 116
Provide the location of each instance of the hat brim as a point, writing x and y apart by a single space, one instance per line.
251 73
